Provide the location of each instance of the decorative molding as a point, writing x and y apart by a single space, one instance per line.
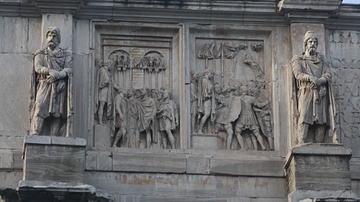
260 12
309 10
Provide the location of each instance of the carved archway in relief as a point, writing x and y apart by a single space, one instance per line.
140 68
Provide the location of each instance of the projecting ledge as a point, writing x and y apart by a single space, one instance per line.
52 140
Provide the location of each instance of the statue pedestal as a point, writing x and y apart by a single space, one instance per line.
318 170
54 170
54 158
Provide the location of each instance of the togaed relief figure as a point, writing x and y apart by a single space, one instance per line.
104 96
132 119
51 88
168 119
206 100
313 89
120 120
147 113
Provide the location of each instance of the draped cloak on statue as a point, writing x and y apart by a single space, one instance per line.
314 106
52 99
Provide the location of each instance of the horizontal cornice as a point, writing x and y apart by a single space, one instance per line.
196 11
21 8
250 12
349 17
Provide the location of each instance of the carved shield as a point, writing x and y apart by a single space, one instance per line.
234 108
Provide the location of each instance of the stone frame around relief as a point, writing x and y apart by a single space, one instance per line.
138 44
183 35
185 159
242 43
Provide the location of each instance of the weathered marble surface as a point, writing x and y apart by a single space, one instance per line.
54 158
33 190
206 21
185 162
344 51
315 170
165 187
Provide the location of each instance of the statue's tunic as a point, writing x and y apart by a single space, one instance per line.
312 103
51 98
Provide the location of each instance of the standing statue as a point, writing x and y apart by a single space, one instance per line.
206 100
168 119
147 113
313 90
51 88
104 96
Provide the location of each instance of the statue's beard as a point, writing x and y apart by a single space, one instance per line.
52 45
312 51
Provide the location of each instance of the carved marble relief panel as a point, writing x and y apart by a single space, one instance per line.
344 48
231 90
136 95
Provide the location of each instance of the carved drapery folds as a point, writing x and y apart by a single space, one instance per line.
51 106
228 78
134 95
230 95
315 105
135 115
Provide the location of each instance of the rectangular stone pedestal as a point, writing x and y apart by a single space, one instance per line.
54 159
318 170
54 171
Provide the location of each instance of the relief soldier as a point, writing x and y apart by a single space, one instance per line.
222 113
168 119
243 108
